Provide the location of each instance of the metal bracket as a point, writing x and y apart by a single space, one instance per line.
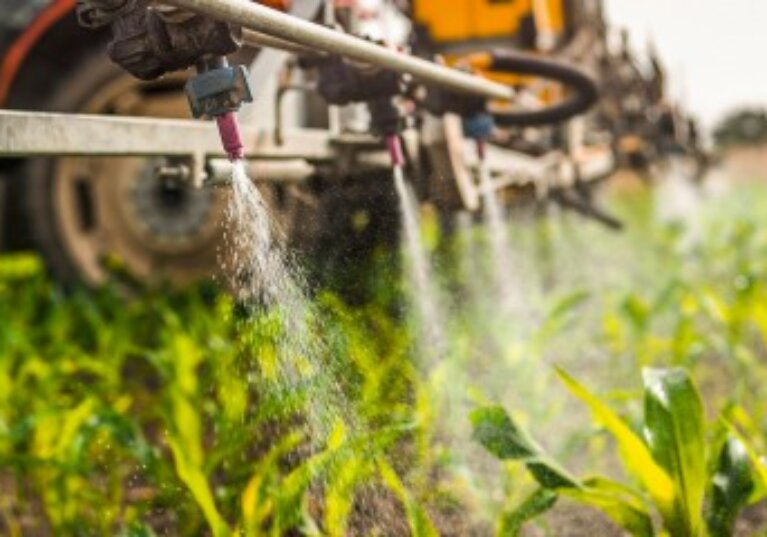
27 134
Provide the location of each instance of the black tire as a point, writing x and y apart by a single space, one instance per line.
72 92
66 95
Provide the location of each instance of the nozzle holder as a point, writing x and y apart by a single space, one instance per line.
385 117
479 126
218 91
342 82
99 13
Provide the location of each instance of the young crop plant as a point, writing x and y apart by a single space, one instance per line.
166 414
694 478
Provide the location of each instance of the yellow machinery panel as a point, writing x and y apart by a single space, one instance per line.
466 25
498 18
445 23
465 20
456 21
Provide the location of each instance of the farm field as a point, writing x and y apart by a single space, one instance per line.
383 268
176 413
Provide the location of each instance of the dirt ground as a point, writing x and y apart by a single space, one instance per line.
747 162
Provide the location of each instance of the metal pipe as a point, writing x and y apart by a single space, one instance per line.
269 21
257 40
28 134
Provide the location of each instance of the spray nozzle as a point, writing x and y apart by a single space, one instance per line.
231 138
218 91
397 154
479 127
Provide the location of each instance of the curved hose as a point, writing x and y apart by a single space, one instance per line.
583 89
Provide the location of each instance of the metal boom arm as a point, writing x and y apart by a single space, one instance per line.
294 30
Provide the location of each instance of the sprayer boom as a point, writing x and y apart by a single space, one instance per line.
293 30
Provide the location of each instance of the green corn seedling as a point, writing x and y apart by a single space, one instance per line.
668 464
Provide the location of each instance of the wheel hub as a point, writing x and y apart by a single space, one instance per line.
158 228
170 208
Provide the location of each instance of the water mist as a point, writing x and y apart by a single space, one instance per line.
266 279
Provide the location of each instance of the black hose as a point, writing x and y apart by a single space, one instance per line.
583 89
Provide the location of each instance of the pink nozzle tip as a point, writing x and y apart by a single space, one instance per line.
481 149
394 145
229 129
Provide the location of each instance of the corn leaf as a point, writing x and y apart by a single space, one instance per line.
637 311
675 432
257 499
634 453
759 468
138 530
340 492
623 505
731 488
742 426
418 519
497 432
559 315
535 505
197 483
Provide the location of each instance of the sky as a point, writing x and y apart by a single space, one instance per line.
715 50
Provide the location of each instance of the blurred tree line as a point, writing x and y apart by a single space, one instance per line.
746 126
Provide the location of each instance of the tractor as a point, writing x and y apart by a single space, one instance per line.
97 198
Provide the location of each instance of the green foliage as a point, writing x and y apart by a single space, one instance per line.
538 503
669 464
731 487
170 414
495 430
674 428
498 433
742 127
635 454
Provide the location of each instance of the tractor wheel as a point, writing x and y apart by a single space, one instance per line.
93 216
